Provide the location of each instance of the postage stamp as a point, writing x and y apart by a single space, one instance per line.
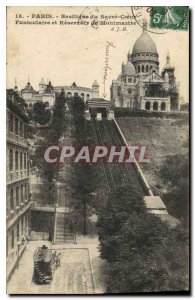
169 17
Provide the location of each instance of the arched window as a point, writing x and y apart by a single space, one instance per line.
11 160
147 68
147 105
87 95
82 95
17 197
155 106
138 69
142 69
16 159
129 91
69 94
11 199
75 94
163 106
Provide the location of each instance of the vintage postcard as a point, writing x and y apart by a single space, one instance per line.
97 150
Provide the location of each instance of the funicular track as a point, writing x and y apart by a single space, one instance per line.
104 166
116 174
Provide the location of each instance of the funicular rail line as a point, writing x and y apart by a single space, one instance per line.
115 173
128 168
113 141
108 176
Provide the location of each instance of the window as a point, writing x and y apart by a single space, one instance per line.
129 91
24 160
21 161
155 106
142 69
16 159
138 69
11 160
16 126
17 197
12 239
11 123
147 105
129 80
163 106
134 80
147 68
11 199
22 193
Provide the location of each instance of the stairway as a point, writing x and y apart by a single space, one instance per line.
63 233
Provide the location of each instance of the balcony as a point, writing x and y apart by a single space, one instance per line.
14 138
15 176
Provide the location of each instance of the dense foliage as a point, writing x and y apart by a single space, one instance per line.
175 173
143 253
40 113
39 165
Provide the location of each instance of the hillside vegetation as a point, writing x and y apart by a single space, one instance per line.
167 147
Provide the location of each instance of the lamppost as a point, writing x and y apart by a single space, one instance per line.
18 249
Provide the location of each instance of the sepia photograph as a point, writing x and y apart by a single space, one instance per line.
97 150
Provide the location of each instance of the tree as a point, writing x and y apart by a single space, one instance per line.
41 114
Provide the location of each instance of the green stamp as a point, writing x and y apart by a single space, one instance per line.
169 17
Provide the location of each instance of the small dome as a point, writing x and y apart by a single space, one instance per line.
144 44
28 87
95 83
128 69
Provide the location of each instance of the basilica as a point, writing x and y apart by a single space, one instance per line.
140 84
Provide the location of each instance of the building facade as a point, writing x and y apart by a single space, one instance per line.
140 84
18 196
47 92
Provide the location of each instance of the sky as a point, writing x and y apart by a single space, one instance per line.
66 54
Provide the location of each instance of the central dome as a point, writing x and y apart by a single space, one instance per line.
144 44
128 69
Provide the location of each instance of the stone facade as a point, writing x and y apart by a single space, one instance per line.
139 85
18 200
